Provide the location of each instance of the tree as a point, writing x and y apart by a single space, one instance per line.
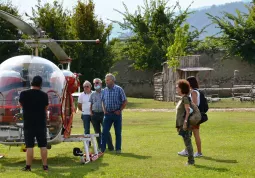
154 26
56 21
238 33
177 49
118 48
210 45
8 32
91 60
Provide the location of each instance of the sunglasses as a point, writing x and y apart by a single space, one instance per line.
96 83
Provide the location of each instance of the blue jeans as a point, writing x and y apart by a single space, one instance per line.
97 122
116 120
86 123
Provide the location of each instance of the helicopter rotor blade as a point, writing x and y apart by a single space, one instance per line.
71 41
46 41
58 51
20 24
18 41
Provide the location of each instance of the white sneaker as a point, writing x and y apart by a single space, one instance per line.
198 154
183 153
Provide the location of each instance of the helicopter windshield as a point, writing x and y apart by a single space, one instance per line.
16 75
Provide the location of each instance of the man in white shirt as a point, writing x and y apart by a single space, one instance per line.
84 106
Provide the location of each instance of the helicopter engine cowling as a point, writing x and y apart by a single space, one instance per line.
72 84
72 81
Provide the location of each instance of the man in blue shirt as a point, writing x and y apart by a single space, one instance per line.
113 101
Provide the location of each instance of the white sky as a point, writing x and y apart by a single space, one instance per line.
104 8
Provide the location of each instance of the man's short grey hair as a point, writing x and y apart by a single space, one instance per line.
87 82
97 79
111 76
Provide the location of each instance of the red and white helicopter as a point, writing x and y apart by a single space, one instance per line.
16 74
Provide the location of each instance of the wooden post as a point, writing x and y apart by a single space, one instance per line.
36 50
174 86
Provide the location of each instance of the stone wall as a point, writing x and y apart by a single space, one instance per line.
140 83
223 73
137 84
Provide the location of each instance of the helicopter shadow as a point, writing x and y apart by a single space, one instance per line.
59 166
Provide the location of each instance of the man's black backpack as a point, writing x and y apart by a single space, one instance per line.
203 106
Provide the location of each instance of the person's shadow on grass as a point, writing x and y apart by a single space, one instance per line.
130 155
218 160
59 166
211 168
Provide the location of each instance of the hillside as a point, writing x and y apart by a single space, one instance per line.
199 19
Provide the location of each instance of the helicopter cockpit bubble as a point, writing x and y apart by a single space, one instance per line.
16 75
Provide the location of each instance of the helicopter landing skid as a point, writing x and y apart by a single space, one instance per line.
86 156
93 157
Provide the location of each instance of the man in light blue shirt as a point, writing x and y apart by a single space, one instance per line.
114 101
97 113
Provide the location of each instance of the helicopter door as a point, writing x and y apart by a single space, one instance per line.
11 106
67 112
54 105
54 121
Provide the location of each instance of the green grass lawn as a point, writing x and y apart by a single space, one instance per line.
134 103
150 146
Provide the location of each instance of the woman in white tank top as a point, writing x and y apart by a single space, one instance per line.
195 97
